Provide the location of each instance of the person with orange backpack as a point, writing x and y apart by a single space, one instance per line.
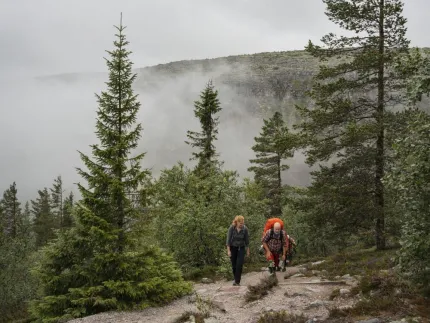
291 249
275 243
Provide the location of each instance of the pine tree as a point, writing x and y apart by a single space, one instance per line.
205 110
352 96
57 200
26 220
44 222
67 211
11 211
274 144
17 285
95 265
2 225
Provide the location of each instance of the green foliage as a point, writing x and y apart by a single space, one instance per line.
44 223
68 205
416 68
349 120
95 266
379 293
274 144
309 242
10 216
194 230
76 285
205 111
358 262
57 201
17 285
338 203
410 178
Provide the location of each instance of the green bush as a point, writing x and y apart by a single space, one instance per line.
194 214
410 179
17 286
79 281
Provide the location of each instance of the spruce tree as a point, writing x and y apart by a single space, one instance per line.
352 94
11 212
44 222
17 286
205 111
95 266
2 224
274 144
26 220
67 211
57 200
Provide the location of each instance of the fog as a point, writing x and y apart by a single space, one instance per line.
56 118
44 122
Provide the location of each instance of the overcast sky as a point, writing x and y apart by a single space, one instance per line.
57 36
43 37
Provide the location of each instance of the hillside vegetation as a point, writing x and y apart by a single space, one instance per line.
132 240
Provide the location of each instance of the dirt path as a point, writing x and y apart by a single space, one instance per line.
300 295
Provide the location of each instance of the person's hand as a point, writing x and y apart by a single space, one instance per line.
268 254
247 252
229 253
283 257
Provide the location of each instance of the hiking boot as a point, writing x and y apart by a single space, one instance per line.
284 266
236 284
278 268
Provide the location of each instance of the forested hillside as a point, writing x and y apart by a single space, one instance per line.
354 108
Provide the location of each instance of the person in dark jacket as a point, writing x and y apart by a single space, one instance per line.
237 242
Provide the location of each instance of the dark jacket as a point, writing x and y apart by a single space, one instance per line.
237 239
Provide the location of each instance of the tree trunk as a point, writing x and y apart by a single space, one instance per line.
120 197
379 160
279 189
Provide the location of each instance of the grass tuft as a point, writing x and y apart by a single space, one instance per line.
260 290
281 317
185 317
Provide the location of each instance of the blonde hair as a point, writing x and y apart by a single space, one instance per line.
238 218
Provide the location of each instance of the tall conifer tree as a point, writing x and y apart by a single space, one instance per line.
95 266
11 211
274 144
205 111
352 96
57 200
44 222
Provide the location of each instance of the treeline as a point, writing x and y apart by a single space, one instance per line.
130 238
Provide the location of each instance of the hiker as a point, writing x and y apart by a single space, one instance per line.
275 242
291 249
237 242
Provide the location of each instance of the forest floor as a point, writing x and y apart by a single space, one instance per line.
355 288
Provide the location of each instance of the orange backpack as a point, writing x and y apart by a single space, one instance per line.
270 223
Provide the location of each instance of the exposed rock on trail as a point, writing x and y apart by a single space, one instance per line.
226 303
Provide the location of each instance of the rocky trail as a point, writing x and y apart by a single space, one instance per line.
299 294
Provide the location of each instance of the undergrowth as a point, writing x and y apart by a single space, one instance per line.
281 317
358 263
381 290
185 317
261 289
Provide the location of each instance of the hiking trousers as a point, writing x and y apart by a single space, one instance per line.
237 259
